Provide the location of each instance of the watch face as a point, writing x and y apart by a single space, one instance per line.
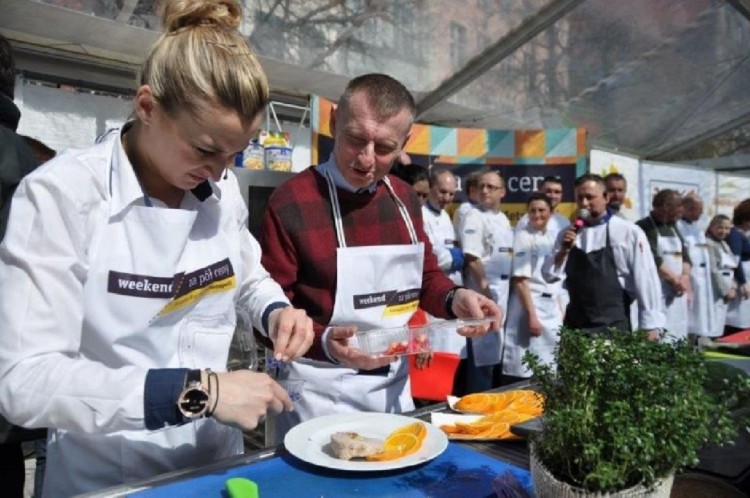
193 401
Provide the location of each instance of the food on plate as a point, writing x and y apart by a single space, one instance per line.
521 401
348 445
401 442
494 426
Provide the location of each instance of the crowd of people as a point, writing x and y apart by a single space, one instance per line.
124 267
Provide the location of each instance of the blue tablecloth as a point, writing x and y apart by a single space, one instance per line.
459 472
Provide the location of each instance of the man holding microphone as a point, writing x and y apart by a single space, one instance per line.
607 262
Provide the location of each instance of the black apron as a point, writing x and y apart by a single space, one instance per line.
597 301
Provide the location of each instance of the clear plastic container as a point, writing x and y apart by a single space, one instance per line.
399 341
395 342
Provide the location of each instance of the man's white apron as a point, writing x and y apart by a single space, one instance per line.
701 312
497 268
376 287
675 307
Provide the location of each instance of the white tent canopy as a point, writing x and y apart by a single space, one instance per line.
657 78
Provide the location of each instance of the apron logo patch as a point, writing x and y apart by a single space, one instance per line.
183 289
393 302
215 278
128 284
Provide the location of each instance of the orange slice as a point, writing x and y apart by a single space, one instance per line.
397 446
417 429
405 443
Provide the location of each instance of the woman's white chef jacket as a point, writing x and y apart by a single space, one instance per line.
65 367
530 249
636 270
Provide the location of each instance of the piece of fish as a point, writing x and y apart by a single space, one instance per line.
348 445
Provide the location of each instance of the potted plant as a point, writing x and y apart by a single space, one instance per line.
623 413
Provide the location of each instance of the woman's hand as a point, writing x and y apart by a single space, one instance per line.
244 397
291 331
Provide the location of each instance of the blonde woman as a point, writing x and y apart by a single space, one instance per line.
122 267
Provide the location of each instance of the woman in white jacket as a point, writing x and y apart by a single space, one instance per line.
122 267
535 312
723 263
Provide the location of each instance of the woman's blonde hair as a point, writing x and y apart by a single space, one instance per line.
202 58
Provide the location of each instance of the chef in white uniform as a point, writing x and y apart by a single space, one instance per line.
671 257
487 241
121 270
471 187
607 263
722 264
552 187
535 311
439 229
738 314
700 303
360 259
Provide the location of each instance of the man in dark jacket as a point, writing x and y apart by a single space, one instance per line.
16 161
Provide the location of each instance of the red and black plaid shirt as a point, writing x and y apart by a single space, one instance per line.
298 239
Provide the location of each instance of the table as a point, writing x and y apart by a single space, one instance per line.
464 469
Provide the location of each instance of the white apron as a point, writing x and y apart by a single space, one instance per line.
393 271
547 301
727 265
738 313
701 312
139 259
488 348
675 307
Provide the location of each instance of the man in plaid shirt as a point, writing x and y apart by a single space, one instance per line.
345 241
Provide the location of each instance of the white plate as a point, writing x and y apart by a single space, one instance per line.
310 440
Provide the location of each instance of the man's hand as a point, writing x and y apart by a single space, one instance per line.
337 342
746 290
470 304
244 397
291 331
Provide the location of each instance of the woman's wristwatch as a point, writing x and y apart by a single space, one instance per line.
193 400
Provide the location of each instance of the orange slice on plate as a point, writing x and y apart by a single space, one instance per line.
417 429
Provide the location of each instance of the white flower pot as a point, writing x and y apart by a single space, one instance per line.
547 486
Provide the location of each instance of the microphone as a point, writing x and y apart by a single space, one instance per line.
583 213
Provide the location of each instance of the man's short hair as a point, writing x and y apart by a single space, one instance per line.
590 177
615 176
410 173
472 179
552 179
385 95
436 174
7 68
662 197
